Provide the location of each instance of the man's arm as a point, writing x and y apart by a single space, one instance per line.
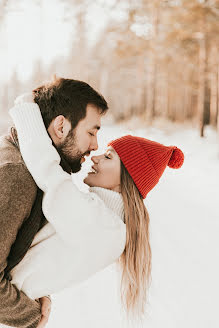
16 199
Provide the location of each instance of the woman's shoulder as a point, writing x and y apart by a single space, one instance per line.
109 198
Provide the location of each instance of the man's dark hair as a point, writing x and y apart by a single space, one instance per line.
69 98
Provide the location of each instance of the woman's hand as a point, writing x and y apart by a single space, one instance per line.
27 97
45 311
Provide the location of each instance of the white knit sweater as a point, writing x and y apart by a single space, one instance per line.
85 232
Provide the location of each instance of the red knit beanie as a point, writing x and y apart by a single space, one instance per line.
146 160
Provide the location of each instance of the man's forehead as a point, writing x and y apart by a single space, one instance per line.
93 118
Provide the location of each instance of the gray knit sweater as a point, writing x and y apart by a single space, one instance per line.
18 191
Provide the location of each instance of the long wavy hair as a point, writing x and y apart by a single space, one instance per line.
135 261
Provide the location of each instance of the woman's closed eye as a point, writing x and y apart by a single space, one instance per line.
91 134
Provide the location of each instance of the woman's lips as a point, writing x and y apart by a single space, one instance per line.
93 170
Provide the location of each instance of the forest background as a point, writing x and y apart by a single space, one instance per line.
153 59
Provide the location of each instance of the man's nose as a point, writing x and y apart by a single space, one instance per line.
94 145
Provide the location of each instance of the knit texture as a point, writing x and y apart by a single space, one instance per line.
146 160
112 199
32 225
92 235
53 253
18 192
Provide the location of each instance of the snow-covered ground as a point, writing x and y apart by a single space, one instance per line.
184 215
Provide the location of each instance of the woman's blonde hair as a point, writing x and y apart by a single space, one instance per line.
136 258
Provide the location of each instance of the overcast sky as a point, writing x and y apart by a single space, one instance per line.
30 33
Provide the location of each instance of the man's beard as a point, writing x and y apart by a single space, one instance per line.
68 148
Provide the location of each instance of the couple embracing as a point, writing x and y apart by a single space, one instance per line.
53 235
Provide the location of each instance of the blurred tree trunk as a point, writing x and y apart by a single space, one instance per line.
140 84
202 75
218 92
214 86
153 88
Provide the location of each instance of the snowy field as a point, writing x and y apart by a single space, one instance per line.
184 227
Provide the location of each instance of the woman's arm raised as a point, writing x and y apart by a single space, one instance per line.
41 158
75 215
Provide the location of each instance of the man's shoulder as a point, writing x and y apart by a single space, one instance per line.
12 166
9 153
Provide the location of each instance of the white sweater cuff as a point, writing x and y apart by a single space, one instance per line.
29 123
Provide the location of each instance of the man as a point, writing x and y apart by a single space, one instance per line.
72 112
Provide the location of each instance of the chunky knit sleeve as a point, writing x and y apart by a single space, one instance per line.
79 218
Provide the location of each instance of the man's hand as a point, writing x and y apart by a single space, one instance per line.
45 311
25 98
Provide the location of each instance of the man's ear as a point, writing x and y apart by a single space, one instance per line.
61 127
58 126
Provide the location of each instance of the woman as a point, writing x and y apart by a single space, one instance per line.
87 232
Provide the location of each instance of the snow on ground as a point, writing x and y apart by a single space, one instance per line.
184 215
